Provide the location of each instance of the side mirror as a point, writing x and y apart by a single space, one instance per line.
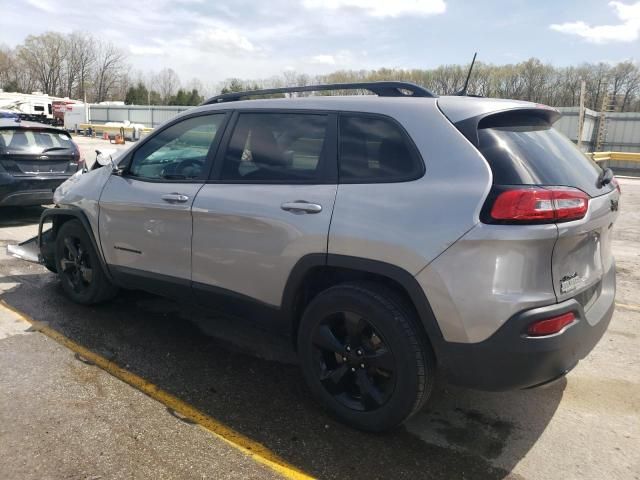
105 158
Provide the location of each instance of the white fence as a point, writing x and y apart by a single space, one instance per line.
622 129
152 116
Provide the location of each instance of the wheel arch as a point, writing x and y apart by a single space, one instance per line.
316 272
59 216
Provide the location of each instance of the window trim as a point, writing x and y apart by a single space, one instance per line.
328 172
211 154
415 152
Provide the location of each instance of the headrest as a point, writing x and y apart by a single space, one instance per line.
264 148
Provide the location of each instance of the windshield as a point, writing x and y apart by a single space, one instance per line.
538 154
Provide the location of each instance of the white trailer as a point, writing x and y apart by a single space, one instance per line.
75 115
36 104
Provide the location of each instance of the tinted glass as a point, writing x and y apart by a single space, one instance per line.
178 152
275 147
21 141
537 154
375 150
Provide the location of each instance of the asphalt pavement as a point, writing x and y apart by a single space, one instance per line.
68 415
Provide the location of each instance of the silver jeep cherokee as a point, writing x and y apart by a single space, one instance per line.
389 235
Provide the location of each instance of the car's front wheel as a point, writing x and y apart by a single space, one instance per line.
78 266
364 356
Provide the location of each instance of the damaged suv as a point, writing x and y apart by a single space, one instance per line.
391 236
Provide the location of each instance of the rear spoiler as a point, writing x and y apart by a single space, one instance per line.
514 116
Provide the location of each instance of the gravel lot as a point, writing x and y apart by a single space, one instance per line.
61 417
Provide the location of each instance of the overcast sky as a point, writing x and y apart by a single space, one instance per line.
217 39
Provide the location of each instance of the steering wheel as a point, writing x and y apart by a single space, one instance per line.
189 168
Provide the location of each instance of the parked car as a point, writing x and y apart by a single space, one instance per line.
391 236
34 160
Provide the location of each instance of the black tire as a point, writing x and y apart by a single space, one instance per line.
51 268
78 266
397 372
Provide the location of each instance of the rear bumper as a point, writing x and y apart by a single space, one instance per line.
24 191
509 359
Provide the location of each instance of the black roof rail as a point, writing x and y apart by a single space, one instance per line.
382 89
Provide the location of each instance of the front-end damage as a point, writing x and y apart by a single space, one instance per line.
77 198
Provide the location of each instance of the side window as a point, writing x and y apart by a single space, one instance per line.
178 152
376 150
276 147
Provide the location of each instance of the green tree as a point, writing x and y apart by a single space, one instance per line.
137 95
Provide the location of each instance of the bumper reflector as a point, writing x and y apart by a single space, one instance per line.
549 326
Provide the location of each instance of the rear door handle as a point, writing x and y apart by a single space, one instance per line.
301 206
174 198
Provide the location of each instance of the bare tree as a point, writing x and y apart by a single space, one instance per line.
78 66
44 56
7 65
625 81
110 67
80 60
166 83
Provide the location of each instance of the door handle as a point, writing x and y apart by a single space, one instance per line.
300 206
174 198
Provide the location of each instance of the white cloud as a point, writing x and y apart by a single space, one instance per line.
627 31
341 57
323 60
145 50
225 39
43 5
382 8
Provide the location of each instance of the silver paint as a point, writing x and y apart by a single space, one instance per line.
475 276
134 216
245 242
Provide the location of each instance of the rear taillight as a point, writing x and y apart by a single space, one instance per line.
549 326
77 156
539 205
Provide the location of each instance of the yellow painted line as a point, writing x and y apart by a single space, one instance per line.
237 440
626 306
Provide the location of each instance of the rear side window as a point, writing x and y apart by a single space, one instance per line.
376 150
529 151
276 148
21 141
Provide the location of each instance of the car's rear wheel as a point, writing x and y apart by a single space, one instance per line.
78 266
364 356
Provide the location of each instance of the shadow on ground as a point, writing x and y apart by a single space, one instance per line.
248 380
19 216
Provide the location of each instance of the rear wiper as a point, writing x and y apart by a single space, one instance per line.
51 149
605 177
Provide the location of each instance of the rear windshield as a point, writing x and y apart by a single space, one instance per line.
534 153
21 141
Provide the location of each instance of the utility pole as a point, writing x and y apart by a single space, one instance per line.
602 122
581 113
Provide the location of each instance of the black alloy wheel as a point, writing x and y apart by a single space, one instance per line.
364 355
75 265
78 266
354 363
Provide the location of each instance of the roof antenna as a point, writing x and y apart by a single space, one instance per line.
463 92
